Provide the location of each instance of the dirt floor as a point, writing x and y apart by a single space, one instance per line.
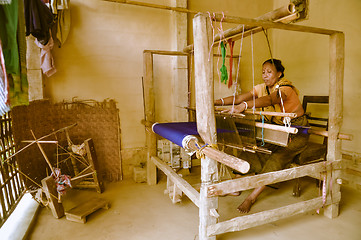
141 212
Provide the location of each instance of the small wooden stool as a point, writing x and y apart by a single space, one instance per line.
80 212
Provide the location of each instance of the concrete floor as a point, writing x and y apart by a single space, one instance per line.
141 212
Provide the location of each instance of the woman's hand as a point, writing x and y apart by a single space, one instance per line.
237 108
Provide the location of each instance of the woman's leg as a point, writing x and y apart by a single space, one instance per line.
250 200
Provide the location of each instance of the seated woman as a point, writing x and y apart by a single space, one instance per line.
276 94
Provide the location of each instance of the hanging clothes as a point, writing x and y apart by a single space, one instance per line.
8 30
4 86
46 58
39 20
63 21
12 35
5 2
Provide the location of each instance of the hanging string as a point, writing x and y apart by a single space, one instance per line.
286 120
268 43
254 96
238 67
211 18
263 143
222 72
231 45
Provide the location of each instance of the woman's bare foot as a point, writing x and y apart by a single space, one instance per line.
246 205
235 194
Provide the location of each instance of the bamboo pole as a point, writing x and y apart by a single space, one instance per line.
219 110
43 152
341 136
151 5
43 137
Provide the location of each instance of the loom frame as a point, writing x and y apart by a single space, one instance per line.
206 199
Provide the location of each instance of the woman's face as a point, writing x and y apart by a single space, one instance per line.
270 75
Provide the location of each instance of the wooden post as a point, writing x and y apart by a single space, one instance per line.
149 110
337 55
203 66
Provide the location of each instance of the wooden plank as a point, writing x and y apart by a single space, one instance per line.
80 212
93 162
49 187
170 53
182 184
261 218
206 125
337 56
245 183
149 109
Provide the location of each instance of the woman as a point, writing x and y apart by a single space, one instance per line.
275 94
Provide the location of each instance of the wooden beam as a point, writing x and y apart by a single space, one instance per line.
149 110
151 5
255 25
221 157
257 219
171 53
337 58
182 184
245 183
206 123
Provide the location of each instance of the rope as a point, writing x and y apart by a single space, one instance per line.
262 129
286 120
200 153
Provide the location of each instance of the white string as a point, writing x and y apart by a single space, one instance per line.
286 120
254 96
238 67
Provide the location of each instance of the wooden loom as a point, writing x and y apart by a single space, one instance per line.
206 199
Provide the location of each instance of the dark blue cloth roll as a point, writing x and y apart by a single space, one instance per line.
175 132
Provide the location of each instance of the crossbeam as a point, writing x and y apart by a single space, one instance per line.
257 219
245 183
182 184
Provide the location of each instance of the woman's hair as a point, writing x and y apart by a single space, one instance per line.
278 65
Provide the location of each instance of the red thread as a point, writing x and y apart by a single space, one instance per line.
231 45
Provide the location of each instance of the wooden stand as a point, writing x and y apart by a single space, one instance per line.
80 212
49 187
88 178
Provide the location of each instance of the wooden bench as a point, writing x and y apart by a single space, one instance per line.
80 212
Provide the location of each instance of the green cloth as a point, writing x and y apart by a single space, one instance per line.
12 35
223 70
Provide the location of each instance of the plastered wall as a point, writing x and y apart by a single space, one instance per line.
306 58
103 58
